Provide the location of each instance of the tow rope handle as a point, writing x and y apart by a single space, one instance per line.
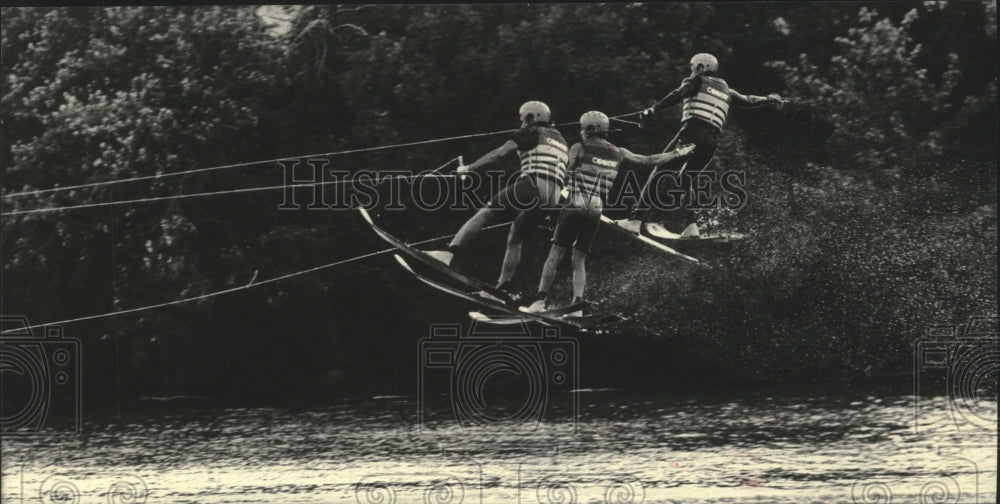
461 163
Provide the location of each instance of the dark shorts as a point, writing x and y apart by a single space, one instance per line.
528 200
705 138
578 222
660 182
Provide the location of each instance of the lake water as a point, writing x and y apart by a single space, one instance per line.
619 449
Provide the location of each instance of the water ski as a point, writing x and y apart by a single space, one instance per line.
587 322
434 264
475 298
645 239
656 230
507 318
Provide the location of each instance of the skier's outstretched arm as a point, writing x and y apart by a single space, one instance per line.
657 159
490 157
748 100
687 88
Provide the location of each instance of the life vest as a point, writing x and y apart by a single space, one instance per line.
548 158
598 167
710 103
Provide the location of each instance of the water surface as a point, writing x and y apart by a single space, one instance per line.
619 449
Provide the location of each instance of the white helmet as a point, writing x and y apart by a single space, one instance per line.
706 61
594 122
534 111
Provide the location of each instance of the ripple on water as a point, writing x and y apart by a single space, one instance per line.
772 449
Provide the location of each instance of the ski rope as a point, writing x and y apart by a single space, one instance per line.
253 282
249 285
160 176
211 193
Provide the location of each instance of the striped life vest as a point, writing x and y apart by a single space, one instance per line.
598 167
548 158
710 103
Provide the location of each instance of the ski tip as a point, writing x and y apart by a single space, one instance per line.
368 218
478 317
403 263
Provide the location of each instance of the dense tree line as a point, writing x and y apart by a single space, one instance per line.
872 208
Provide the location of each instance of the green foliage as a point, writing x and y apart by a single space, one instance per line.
163 90
889 114
872 198
877 96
